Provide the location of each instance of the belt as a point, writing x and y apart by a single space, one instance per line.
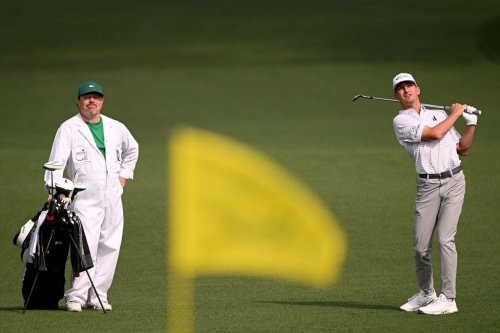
441 175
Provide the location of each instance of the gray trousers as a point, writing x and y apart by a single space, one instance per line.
438 205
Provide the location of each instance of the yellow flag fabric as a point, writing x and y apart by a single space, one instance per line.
234 211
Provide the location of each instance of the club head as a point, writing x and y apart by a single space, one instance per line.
356 97
53 165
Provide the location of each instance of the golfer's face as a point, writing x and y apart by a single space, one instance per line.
407 93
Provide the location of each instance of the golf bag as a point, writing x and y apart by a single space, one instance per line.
45 251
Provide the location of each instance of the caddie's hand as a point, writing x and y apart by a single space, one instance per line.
470 119
122 181
49 199
458 109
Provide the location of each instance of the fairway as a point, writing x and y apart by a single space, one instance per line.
280 77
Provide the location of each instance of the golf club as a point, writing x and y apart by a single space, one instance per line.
469 109
75 179
52 166
64 190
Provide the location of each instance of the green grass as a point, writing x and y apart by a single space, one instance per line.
280 77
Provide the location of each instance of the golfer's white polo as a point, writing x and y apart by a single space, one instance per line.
430 157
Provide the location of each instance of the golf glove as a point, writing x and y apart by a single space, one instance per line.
470 109
470 119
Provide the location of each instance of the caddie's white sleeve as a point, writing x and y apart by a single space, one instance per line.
61 151
130 154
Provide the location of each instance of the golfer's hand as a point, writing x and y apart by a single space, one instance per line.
471 109
458 109
122 181
470 119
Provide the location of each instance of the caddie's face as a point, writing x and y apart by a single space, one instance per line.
90 106
407 93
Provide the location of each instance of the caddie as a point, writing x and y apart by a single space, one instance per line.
106 154
430 138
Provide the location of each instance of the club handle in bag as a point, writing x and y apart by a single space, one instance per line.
52 209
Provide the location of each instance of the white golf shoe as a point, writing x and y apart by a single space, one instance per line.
440 306
97 306
418 300
74 306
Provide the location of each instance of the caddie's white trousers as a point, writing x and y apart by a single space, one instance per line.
438 205
100 210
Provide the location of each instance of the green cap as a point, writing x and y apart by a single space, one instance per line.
88 87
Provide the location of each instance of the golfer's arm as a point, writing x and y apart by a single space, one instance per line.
466 141
438 131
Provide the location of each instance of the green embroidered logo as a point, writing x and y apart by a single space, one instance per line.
81 156
118 157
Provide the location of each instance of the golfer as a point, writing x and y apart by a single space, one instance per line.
431 140
106 154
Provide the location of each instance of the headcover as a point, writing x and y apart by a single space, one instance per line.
26 258
64 186
23 237
78 188
23 233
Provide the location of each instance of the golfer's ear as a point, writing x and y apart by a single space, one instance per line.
418 90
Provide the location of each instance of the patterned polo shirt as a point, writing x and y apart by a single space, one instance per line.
430 156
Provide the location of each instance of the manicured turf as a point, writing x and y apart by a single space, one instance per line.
279 77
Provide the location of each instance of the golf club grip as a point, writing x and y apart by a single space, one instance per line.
52 209
477 112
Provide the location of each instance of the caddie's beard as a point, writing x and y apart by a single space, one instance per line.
90 114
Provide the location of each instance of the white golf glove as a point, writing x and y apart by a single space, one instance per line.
470 119
470 109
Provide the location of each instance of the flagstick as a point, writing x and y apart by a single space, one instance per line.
180 302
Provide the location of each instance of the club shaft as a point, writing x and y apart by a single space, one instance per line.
440 107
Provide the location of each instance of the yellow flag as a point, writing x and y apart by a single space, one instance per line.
234 211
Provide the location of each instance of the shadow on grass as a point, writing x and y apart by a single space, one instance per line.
355 305
12 309
20 309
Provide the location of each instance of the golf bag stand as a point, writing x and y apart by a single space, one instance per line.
59 222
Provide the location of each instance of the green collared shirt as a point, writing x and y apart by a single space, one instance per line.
97 131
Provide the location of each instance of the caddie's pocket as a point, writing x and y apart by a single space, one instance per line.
118 152
80 155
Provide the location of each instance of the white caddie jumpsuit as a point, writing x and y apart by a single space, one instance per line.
99 206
